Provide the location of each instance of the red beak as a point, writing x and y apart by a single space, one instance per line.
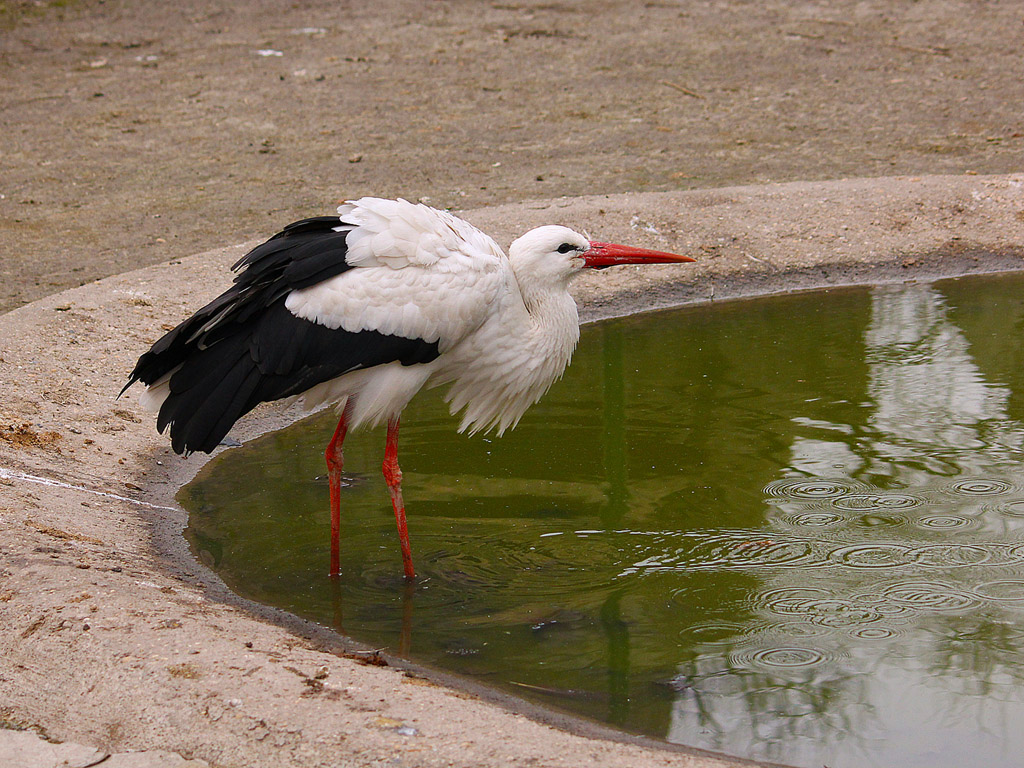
603 255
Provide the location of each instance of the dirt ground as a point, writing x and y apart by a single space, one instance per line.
133 133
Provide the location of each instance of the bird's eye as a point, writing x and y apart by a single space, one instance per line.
566 247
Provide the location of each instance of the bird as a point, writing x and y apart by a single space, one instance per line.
361 310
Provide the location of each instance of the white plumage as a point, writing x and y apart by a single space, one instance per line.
423 273
364 309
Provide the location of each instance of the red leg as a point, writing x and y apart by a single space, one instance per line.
335 461
393 477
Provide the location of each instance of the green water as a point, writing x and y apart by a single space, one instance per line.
787 529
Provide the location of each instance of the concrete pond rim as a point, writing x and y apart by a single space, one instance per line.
749 241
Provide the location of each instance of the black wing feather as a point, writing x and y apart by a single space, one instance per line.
245 347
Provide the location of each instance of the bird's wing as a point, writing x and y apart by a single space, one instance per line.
303 253
415 272
277 355
303 311
398 234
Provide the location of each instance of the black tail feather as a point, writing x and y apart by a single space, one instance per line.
212 408
245 347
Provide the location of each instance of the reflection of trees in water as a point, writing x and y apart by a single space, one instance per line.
616 631
985 646
929 417
613 432
763 715
932 413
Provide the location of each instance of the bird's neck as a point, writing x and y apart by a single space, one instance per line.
501 371
551 307
554 331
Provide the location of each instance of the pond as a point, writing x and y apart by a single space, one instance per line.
787 529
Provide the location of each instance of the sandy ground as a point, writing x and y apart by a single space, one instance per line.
134 132
116 639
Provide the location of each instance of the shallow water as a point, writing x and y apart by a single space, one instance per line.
787 529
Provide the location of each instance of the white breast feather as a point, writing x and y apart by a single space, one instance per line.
509 363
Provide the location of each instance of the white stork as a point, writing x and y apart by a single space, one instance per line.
363 309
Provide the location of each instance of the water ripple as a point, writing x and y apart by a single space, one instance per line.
1015 553
818 607
799 630
1002 590
956 555
837 612
790 600
804 490
785 657
979 486
874 633
931 596
875 520
813 519
945 522
867 502
718 633
1013 508
871 555
728 550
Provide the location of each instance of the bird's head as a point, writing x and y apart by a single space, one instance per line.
557 254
